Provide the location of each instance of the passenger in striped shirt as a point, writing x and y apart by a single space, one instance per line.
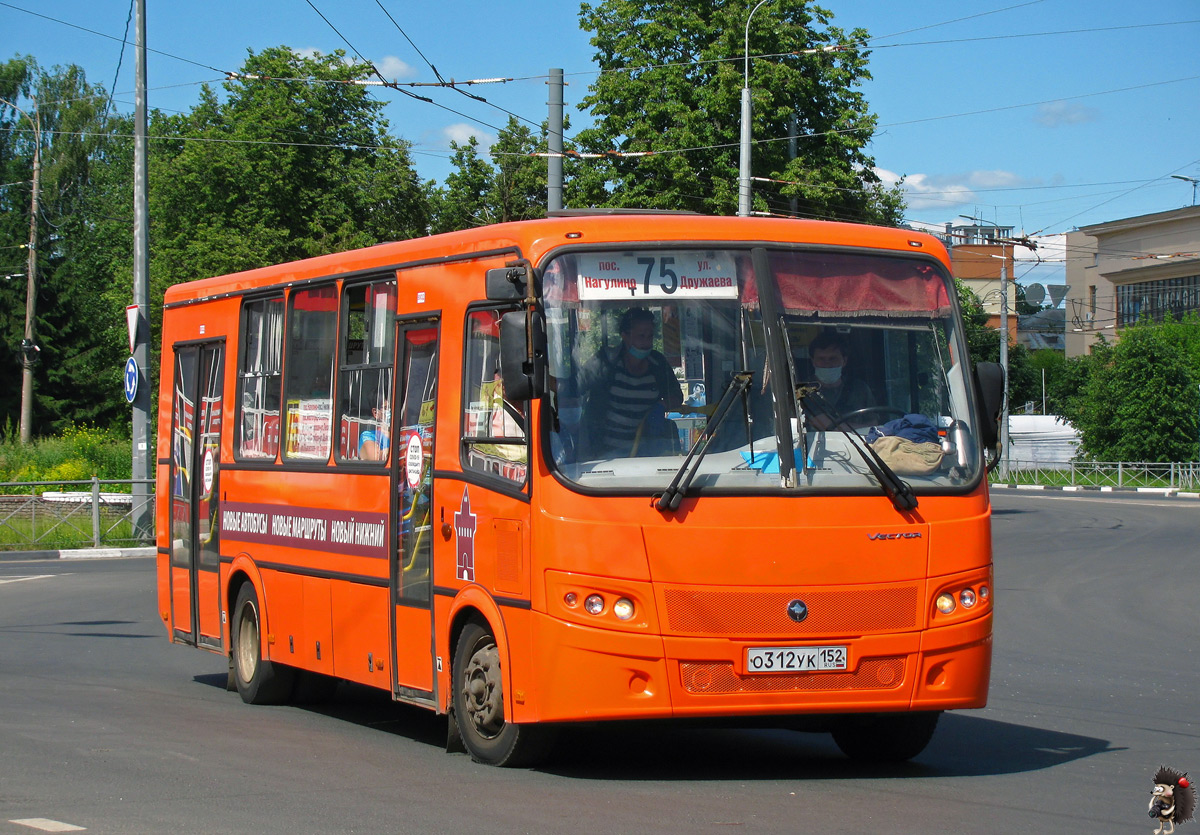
628 392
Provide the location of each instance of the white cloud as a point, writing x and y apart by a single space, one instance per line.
922 191
309 52
1057 114
461 133
949 192
393 69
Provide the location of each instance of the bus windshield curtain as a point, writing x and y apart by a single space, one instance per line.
842 285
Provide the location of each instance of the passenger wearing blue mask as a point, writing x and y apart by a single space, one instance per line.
628 391
839 393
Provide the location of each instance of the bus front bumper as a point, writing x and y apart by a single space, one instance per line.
587 674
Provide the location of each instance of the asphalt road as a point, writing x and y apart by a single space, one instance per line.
106 726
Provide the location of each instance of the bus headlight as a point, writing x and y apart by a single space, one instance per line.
623 609
945 603
593 604
967 598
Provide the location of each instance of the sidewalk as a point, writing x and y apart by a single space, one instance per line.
77 554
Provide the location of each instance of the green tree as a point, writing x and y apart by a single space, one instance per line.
1140 400
669 88
511 187
279 170
73 377
463 203
983 344
519 184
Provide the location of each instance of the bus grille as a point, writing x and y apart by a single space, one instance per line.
755 613
719 678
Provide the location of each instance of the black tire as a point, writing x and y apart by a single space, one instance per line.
886 737
479 706
258 680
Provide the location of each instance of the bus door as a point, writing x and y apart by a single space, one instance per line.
411 550
195 512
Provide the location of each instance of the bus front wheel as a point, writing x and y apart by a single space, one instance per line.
886 737
479 706
258 680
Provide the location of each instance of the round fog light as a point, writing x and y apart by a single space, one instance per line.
623 609
984 592
571 599
967 598
593 604
945 603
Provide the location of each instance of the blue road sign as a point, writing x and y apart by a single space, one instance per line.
131 379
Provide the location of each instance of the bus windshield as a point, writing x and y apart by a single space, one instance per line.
644 342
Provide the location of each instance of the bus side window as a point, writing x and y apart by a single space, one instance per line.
308 394
365 375
494 428
260 378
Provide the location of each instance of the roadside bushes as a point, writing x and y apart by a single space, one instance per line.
77 454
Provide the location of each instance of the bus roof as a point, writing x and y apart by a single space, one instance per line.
533 238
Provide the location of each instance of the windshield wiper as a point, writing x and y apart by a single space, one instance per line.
900 492
670 498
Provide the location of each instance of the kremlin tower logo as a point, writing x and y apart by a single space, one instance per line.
464 527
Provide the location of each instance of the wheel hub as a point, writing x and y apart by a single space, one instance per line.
482 693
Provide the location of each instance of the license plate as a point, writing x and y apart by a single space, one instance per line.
796 659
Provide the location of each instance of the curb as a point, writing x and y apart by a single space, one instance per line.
78 554
1169 492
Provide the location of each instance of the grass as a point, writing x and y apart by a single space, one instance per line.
77 455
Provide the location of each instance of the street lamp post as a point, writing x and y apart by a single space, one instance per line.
1191 180
744 157
29 347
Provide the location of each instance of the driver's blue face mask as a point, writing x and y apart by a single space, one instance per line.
828 376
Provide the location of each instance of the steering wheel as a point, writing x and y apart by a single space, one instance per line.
880 410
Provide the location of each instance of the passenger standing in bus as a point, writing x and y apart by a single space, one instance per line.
839 393
627 393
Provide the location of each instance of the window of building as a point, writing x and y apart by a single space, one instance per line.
308 388
494 436
260 378
365 375
1155 300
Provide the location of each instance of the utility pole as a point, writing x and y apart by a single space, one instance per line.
1004 360
554 139
29 346
140 335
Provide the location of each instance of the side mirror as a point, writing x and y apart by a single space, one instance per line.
523 355
507 284
989 399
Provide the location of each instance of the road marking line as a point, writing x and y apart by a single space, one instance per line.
19 579
47 825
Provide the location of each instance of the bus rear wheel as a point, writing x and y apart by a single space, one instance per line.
479 706
258 680
887 737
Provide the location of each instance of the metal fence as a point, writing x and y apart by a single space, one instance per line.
1179 475
76 514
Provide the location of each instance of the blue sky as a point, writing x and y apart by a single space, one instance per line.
1043 115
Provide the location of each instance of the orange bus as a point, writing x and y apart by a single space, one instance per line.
593 467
